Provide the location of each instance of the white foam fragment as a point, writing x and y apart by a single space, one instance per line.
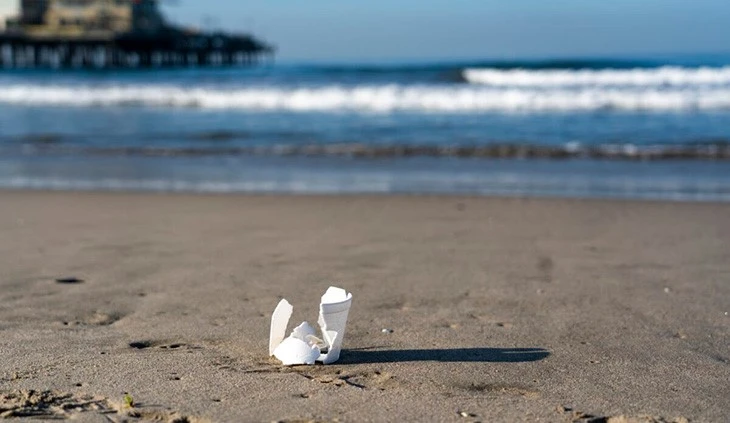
293 351
303 346
279 321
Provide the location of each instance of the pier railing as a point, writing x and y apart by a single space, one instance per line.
131 50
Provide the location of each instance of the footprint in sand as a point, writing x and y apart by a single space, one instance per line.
141 345
162 345
54 405
98 318
69 280
498 389
365 379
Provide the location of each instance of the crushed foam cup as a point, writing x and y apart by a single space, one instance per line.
302 346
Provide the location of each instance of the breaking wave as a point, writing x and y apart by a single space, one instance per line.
646 77
444 98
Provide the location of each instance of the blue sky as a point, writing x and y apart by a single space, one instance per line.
371 30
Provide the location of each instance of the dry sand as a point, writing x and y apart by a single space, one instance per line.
500 309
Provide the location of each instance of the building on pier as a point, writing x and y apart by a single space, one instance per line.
112 33
8 11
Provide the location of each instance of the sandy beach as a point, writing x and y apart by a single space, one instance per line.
465 309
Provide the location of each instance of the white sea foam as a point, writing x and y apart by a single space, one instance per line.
508 184
376 98
320 185
640 77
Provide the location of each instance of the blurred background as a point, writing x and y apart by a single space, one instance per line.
566 98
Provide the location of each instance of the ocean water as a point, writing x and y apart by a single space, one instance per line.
649 128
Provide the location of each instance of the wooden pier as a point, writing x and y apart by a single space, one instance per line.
131 51
104 34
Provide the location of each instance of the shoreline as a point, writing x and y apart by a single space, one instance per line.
364 195
573 178
519 196
501 309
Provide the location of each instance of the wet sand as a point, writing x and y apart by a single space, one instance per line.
493 309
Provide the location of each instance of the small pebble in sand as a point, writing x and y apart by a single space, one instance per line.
385 330
465 414
667 290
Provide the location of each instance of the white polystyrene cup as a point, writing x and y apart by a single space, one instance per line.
333 311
